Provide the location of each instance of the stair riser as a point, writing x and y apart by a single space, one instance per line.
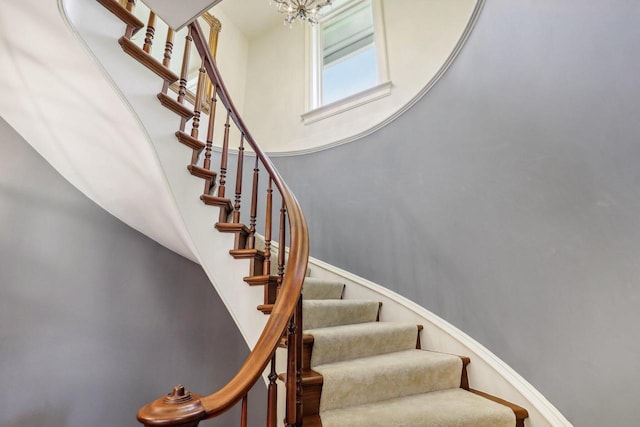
311 395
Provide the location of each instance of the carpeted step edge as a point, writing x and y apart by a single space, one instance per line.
387 376
445 408
348 342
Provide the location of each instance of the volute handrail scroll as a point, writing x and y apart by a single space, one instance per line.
182 408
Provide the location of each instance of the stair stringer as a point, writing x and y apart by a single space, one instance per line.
486 371
99 31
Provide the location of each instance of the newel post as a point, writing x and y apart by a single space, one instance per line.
180 408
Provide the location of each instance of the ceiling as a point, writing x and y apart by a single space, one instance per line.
252 17
178 14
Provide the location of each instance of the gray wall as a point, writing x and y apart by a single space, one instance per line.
507 200
96 319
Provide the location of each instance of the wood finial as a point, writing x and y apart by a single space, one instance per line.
178 408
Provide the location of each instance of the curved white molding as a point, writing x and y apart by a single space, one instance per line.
486 371
443 69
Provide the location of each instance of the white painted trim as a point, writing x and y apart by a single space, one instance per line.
487 372
350 102
454 53
379 34
310 68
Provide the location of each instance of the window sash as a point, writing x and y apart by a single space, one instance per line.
315 108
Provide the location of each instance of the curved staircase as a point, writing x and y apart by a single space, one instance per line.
358 371
344 366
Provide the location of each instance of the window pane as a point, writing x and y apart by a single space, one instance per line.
351 75
347 33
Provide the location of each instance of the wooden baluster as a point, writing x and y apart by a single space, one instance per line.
290 381
272 395
195 124
224 155
254 207
266 268
298 341
131 4
208 148
223 158
236 205
151 30
282 244
168 48
182 90
209 142
294 366
166 60
243 416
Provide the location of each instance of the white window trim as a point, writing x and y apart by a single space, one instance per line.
350 102
313 69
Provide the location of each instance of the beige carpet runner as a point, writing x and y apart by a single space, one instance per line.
373 375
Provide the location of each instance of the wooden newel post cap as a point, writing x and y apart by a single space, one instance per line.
180 408
178 395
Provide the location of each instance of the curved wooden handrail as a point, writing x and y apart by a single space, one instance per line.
209 64
190 412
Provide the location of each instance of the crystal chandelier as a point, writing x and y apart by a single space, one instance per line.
305 10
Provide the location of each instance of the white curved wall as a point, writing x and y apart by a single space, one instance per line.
56 97
100 30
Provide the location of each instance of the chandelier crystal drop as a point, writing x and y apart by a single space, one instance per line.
304 10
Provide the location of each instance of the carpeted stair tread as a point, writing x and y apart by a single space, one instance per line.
334 312
387 376
315 289
445 408
349 342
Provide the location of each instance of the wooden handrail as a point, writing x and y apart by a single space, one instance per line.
184 409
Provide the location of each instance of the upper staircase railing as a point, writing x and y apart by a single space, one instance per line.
282 283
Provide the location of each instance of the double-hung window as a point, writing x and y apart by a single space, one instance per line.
347 58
